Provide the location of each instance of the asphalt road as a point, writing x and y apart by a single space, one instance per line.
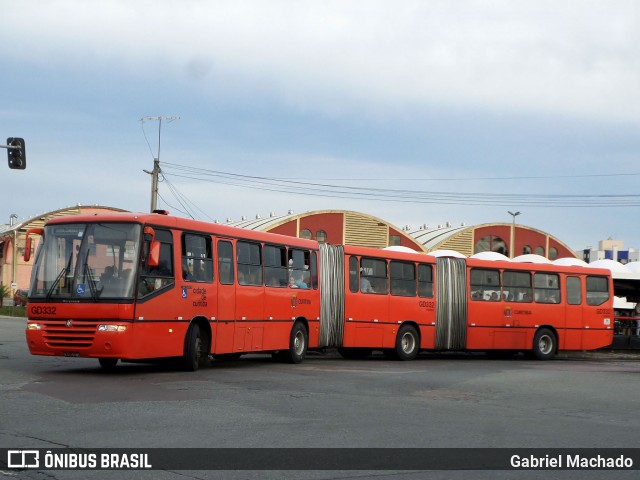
454 400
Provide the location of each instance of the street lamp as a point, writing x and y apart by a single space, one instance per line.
513 232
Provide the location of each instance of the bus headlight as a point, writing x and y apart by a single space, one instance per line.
112 328
33 326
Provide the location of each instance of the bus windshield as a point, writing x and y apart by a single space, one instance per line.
86 262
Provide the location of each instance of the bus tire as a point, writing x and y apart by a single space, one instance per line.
544 344
354 353
298 342
108 363
195 354
407 343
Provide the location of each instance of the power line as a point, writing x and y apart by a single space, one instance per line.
401 195
447 179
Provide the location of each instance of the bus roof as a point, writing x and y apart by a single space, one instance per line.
169 221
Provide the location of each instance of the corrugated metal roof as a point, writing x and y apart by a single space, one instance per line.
429 238
262 224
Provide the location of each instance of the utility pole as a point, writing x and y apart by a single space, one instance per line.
155 173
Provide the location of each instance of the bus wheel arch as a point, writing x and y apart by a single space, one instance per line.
197 344
407 341
545 343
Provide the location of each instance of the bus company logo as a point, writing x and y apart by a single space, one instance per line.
23 459
508 313
69 323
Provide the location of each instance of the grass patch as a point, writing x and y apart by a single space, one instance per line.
13 311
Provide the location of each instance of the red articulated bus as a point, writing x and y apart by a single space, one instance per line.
134 287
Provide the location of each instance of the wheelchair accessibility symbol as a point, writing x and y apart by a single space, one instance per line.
184 292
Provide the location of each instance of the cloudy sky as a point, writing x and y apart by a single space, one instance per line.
413 111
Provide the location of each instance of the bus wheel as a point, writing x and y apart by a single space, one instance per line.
108 363
298 342
407 343
354 353
195 354
544 344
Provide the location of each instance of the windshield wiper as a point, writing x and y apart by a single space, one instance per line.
88 274
56 282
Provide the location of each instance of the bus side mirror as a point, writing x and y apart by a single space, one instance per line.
154 254
153 259
27 241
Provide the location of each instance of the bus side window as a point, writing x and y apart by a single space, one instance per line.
157 278
373 276
249 263
299 272
225 262
547 287
314 270
574 291
197 258
597 290
403 279
485 285
517 286
425 281
353 274
275 266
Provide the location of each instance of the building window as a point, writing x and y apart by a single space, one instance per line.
491 243
526 250
306 233
553 253
394 240
540 251
321 236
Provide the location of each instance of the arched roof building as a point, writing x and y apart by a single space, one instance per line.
491 237
334 226
354 228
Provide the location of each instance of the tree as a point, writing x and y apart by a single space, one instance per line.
4 292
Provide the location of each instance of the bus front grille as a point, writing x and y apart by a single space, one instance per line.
69 334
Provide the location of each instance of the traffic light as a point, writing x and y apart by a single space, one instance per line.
16 153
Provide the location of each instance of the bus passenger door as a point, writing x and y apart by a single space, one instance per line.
571 336
225 318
